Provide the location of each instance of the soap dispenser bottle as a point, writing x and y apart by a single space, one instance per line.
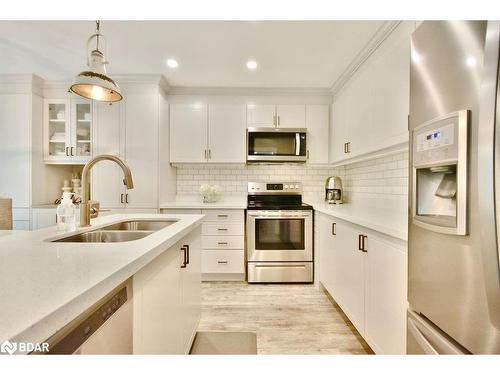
66 214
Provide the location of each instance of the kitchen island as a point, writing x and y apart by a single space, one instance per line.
45 285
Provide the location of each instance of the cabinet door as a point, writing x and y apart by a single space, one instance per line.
15 150
390 71
350 278
188 133
43 218
317 120
191 289
81 130
358 122
261 115
339 128
291 115
327 262
158 315
141 149
385 301
226 133
107 177
57 125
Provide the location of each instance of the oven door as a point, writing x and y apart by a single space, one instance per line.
276 145
279 236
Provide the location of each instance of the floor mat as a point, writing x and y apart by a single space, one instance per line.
224 343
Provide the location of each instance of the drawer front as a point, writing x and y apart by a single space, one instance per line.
223 261
180 211
275 272
223 229
224 215
223 242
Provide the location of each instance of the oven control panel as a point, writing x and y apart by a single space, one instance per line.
275 187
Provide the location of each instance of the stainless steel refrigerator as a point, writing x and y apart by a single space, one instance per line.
454 223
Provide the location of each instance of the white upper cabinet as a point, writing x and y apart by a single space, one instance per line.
370 113
317 123
188 133
141 149
107 184
291 116
128 129
201 133
67 131
261 115
272 116
226 133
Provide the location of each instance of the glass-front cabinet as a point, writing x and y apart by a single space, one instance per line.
68 131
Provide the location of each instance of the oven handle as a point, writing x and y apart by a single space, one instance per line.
279 216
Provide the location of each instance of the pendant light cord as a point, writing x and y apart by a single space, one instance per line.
98 24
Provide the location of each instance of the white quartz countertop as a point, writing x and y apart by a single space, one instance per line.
45 285
390 219
196 202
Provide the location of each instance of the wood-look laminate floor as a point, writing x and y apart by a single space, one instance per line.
287 318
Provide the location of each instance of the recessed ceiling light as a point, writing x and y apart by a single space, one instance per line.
172 63
471 61
252 64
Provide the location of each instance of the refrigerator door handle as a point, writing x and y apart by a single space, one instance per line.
420 338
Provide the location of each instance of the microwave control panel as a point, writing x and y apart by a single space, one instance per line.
436 142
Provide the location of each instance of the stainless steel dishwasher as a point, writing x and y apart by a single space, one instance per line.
104 328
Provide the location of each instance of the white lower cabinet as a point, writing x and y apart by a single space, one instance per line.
223 243
369 285
43 218
167 300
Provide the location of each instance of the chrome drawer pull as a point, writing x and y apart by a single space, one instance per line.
221 243
222 261
222 215
222 229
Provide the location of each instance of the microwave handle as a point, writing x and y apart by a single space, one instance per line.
297 144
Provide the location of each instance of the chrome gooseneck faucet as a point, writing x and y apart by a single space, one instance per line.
85 211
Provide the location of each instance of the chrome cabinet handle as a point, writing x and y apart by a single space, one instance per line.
121 198
334 229
307 153
67 153
278 121
209 153
222 215
184 263
222 261
222 243
221 229
348 147
205 154
71 151
126 198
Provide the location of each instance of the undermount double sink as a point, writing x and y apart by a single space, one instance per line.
123 231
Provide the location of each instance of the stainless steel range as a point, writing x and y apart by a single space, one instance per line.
279 234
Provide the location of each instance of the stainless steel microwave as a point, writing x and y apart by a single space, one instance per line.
276 145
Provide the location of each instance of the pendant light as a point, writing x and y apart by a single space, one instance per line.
95 83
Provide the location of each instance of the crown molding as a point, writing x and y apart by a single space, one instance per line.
375 41
20 84
249 91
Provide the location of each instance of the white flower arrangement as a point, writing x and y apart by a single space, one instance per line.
210 193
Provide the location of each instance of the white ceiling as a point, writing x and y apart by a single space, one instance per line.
302 54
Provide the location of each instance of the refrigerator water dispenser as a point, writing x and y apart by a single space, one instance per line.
440 174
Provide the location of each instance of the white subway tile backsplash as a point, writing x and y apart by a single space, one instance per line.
386 175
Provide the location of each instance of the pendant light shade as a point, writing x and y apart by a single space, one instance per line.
95 83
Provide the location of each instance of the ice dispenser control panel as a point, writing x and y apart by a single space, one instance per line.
435 143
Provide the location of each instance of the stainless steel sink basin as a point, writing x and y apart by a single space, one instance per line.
106 236
144 225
